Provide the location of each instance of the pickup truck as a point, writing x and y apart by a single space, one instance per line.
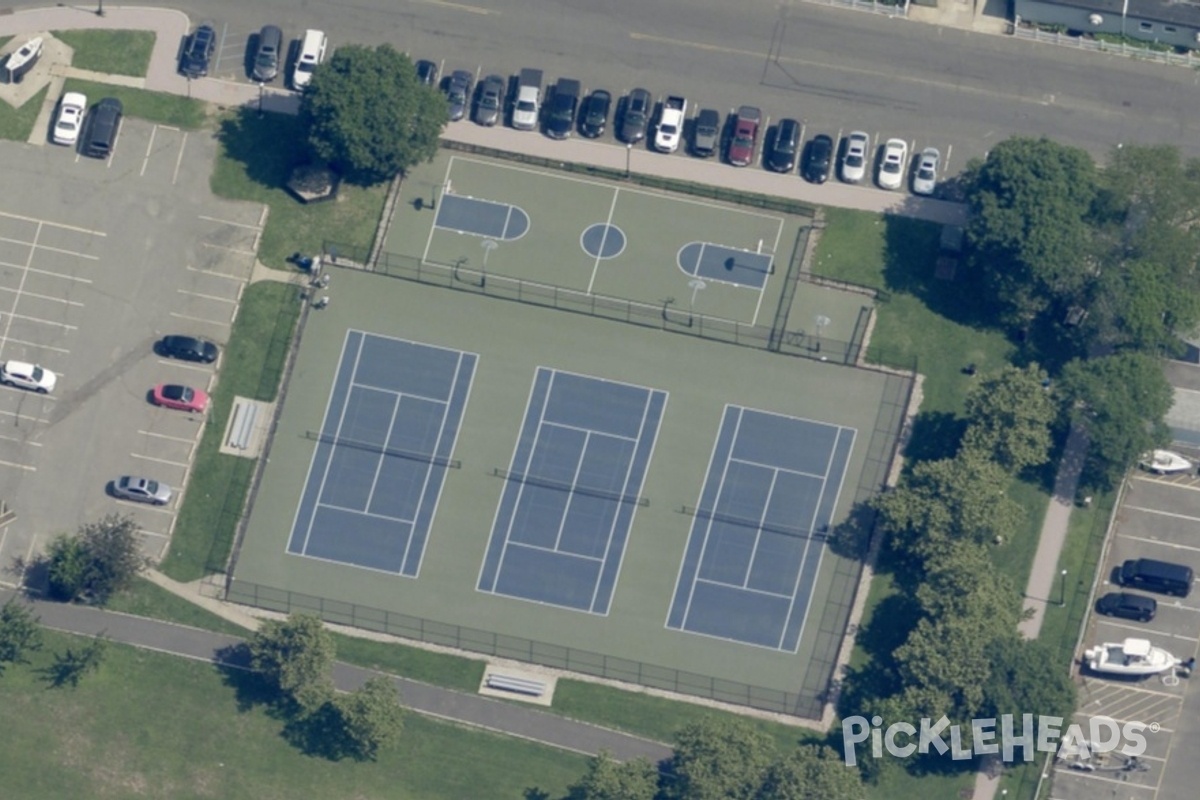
529 100
670 124
745 136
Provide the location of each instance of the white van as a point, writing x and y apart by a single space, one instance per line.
312 52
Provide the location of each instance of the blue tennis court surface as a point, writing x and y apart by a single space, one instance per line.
382 453
757 538
571 491
716 262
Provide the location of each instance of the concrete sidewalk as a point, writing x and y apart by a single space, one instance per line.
171 26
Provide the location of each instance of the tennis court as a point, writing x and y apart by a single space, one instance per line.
382 453
594 238
571 491
758 532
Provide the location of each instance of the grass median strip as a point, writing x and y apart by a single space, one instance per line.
160 107
16 124
110 52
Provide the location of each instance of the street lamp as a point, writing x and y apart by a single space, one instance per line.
628 158
100 9
260 98
1062 589
488 246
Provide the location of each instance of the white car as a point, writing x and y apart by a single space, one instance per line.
891 170
312 53
70 118
24 375
854 162
925 178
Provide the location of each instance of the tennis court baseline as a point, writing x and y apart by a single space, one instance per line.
382 453
571 491
756 543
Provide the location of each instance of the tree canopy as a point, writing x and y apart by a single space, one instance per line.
295 656
1010 414
1120 400
20 633
812 773
369 117
371 718
719 759
609 779
100 560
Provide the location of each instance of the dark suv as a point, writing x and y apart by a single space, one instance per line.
1127 606
197 52
104 122
818 159
595 114
706 133
560 111
787 146
636 117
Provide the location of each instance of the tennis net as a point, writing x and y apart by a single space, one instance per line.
544 483
754 524
374 447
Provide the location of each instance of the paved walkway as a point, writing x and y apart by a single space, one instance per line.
469 709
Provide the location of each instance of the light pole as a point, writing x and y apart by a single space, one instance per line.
100 9
628 158
260 98
1062 589
488 246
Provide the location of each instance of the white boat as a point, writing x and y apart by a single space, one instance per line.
1165 462
1132 657
23 59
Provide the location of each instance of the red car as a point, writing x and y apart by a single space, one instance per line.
184 398
745 136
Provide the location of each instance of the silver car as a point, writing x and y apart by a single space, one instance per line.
854 162
141 490
491 101
925 177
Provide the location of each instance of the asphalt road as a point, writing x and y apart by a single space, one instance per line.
833 68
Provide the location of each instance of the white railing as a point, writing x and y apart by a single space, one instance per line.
1188 59
898 9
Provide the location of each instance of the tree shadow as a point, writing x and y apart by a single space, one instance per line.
891 622
935 435
536 793
267 147
852 538
251 690
911 251
319 734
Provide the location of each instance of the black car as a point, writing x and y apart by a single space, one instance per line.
188 348
595 114
706 132
1127 606
197 52
491 101
427 72
637 116
560 111
103 125
786 146
459 92
818 159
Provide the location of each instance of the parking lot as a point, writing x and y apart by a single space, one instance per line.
1158 518
103 259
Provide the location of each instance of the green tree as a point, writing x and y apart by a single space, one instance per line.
718 759
1030 201
1146 214
1120 400
1026 679
609 779
19 633
961 498
369 117
371 718
295 655
100 560
1010 415
812 772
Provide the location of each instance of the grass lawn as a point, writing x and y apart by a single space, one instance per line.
149 725
148 599
251 366
110 52
257 157
16 124
160 107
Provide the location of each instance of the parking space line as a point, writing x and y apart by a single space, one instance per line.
41 321
208 296
20 441
14 465
149 149
225 275
179 160
231 222
62 275
39 345
169 363
145 532
1121 689
65 252
165 436
1162 513
52 224
1172 545
237 250
198 319
1141 629
44 297
146 506
18 416
160 460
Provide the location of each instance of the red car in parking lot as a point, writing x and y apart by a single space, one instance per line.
745 136
183 398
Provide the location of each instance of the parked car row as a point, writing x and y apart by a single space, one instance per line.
94 132
637 117
1149 575
195 56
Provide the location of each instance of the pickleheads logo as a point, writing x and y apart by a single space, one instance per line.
984 737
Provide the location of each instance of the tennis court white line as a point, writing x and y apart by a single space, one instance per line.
507 218
599 380
383 390
567 427
362 512
437 500
433 226
562 522
355 564
612 531
387 438
337 435
737 588
762 521
372 335
556 552
778 468
612 207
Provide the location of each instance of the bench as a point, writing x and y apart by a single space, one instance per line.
244 415
507 683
